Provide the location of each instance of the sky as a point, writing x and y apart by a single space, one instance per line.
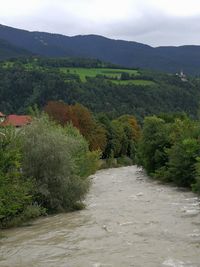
153 22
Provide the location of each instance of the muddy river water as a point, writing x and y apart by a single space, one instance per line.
129 221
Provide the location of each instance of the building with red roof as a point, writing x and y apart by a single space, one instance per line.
16 120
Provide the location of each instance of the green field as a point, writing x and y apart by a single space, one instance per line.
93 72
114 75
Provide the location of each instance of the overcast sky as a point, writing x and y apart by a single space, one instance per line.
154 22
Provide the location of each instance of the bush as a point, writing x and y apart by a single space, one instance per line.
54 157
87 162
30 212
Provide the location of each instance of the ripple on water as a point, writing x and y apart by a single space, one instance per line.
178 263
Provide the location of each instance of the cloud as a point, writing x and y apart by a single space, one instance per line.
158 30
163 22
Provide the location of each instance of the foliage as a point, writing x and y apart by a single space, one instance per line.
15 193
87 162
196 184
44 167
25 82
81 118
182 160
124 161
122 136
170 150
53 158
153 144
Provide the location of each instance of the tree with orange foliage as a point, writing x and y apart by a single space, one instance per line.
82 119
131 120
58 111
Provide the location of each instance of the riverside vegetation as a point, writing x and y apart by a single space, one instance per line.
169 150
44 167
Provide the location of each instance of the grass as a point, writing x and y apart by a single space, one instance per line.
92 72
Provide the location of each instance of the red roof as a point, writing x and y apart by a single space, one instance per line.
2 115
16 120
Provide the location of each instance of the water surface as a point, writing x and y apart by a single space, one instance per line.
129 221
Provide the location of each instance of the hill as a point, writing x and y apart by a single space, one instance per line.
8 50
98 86
124 53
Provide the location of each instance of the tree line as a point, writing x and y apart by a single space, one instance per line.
169 150
44 166
21 88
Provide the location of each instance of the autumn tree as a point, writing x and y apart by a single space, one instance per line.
58 111
81 118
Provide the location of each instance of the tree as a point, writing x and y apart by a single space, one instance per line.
182 159
58 111
135 128
48 157
125 76
152 148
82 119
15 191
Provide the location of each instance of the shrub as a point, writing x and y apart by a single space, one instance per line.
54 156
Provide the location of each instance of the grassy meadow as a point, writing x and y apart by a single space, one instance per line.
112 74
93 72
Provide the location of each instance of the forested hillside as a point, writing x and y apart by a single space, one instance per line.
96 85
125 53
7 50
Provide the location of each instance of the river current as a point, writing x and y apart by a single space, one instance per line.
129 220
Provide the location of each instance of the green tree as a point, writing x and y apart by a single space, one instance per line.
182 160
15 193
53 157
152 153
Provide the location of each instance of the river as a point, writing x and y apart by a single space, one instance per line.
129 220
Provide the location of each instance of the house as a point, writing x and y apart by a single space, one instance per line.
15 120
182 76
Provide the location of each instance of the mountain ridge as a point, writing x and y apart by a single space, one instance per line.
120 52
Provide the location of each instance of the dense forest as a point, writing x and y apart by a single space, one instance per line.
25 82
